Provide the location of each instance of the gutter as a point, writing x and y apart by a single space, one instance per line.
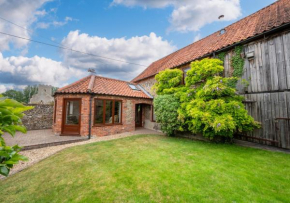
250 39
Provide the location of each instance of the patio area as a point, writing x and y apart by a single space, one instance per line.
45 138
40 138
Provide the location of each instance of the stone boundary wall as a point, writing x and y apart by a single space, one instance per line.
41 117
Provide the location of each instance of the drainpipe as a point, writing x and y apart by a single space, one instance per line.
90 116
90 91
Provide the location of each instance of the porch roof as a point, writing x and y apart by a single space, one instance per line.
106 86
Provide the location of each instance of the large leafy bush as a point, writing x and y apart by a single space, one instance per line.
208 104
165 107
167 81
11 113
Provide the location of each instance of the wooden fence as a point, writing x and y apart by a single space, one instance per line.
268 93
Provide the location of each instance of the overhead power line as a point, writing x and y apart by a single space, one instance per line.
66 48
59 46
24 28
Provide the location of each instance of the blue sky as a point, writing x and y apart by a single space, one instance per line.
136 31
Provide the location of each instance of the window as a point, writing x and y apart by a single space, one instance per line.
153 116
99 119
108 112
72 112
133 87
185 74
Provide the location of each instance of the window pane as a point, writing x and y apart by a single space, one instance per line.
185 74
109 108
99 111
117 112
72 112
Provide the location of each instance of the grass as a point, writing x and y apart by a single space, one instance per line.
151 168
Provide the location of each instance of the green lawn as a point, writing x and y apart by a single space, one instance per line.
151 168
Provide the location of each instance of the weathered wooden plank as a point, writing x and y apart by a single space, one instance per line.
287 96
283 123
263 116
257 66
254 114
280 63
273 67
263 66
266 63
259 110
251 70
286 46
275 114
268 116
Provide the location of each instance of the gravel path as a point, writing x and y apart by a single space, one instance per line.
36 155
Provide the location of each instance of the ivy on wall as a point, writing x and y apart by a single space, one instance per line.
221 56
237 62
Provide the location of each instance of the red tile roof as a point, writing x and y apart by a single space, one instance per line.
270 17
102 85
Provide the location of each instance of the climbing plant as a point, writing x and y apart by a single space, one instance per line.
237 62
209 104
221 56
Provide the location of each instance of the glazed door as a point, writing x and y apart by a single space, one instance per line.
71 117
138 115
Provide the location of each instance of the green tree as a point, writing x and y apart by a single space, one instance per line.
11 113
28 92
14 94
209 105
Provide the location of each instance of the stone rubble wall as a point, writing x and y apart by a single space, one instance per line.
41 117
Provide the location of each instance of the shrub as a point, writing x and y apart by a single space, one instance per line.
167 81
208 104
11 113
165 107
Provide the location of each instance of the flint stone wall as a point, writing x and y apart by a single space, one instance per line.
41 117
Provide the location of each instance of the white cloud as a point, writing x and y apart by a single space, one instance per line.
191 15
24 71
23 13
45 25
6 87
197 37
3 88
140 50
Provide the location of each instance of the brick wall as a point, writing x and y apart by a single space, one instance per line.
128 114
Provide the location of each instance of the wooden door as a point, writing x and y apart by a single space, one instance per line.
138 115
71 117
